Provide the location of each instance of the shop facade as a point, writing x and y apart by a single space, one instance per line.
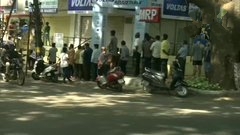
125 19
79 21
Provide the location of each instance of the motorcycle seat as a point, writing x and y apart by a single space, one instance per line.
154 72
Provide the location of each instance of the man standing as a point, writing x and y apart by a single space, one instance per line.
146 44
71 54
79 63
124 55
113 50
112 47
87 61
52 54
164 54
182 55
197 57
137 50
47 34
94 60
64 65
155 48
207 61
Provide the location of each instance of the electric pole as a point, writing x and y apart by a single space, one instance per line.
38 25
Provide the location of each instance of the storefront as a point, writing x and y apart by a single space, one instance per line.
174 18
123 16
98 18
83 22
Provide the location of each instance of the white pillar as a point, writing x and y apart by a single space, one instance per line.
99 21
139 26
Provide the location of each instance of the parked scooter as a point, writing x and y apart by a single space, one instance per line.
42 71
114 80
152 79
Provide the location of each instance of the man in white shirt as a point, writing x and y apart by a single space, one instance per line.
155 48
137 50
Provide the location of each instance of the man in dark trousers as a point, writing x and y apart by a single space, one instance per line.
147 54
137 50
164 55
94 59
87 62
124 56
112 47
182 56
47 34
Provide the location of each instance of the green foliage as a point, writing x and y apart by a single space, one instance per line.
203 84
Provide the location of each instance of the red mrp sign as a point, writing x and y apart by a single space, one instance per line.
151 15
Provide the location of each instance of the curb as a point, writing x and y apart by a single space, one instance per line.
214 92
135 82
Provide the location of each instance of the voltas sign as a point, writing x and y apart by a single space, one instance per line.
150 15
176 9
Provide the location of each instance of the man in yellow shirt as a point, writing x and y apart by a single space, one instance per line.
164 54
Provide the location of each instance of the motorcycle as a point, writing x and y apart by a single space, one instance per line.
15 71
114 80
42 71
152 79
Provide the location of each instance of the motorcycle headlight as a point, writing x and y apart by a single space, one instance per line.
7 63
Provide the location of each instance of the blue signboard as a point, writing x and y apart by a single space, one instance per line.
175 8
76 5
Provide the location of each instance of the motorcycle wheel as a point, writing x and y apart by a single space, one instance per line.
5 78
181 91
35 76
55 78
100 85
120 88
20 77
146 87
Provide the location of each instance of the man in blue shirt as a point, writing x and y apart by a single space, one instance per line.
94 60
182 55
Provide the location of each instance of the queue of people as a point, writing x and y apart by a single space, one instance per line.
85 63
155 54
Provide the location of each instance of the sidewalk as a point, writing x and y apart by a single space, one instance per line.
134 83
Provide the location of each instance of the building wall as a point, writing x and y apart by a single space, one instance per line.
115 23
66 23
120 24
128 32
175 31
61 24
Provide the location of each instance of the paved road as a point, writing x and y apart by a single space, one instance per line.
39 108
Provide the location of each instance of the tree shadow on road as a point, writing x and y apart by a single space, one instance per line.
67 109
